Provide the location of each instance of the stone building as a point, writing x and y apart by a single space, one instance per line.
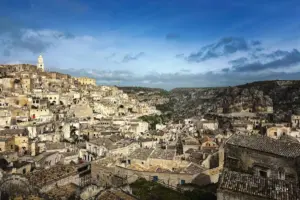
40 113
295 119
60 175
27 85
86 81
19 137
53 98
276 132
105 146
256 166
5 118
47 159
263 156
7 144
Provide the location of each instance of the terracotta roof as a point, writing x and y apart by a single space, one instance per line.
265 144
141 154
165 154
62 192
194 169
258 186
288 138
44 177
114 194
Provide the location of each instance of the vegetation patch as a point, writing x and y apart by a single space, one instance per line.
155 119
147 190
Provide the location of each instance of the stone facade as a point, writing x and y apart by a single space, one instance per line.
295 119
278 131
272 164
86 81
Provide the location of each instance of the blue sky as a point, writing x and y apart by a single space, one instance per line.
157 43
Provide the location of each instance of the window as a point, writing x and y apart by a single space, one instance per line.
283 133
275 133
24 171
11 146
281 174
0 149
232 162
263 173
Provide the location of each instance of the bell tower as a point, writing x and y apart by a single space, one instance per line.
40 64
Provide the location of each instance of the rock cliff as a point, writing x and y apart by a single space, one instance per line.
257 97
282 97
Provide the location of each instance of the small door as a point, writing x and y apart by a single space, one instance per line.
155 178
182 182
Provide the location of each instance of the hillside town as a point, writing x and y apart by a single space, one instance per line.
64 137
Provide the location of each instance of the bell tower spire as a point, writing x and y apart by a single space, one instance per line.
40 64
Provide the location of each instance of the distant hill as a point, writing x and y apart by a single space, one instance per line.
282 95
141 89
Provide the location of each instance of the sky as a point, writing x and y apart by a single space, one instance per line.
158 43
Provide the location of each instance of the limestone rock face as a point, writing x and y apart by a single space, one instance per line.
280 97
261 97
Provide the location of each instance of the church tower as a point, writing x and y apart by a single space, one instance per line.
40 64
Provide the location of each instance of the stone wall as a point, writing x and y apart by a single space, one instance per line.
125 150
172 179
2 146
50 160
169 164
23 170
61 182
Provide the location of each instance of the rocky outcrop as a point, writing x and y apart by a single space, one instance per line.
257 97
152 96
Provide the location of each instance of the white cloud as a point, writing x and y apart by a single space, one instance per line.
101 57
